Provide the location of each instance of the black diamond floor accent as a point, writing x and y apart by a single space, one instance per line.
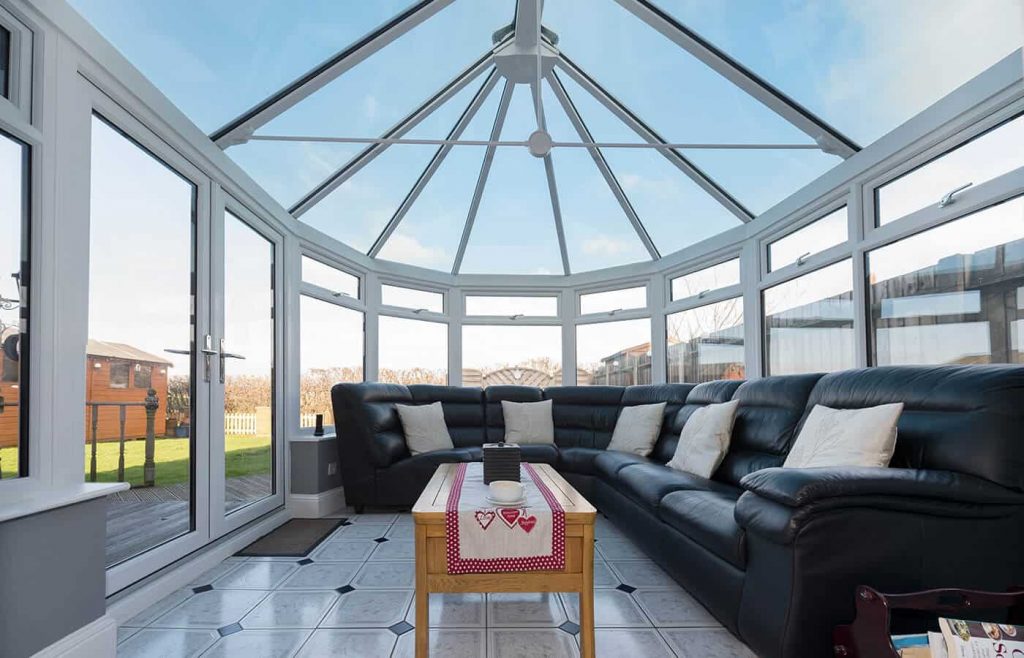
400 628
305 561
345 589
201 589
230 629
380 540
628 589
570 627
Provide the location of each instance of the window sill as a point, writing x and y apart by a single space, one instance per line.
34 499
307 437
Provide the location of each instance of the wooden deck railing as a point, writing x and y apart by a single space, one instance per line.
150 404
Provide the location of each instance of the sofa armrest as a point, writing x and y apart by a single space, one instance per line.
797 487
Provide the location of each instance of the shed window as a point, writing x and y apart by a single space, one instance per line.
119 374
143 376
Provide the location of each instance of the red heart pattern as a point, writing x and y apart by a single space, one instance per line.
527 522
510 515
484 518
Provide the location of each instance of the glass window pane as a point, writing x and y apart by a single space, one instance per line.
412 298
614 353
528 306
412 351
330 278
13 257
706 343
708 279
5 62
521 355
249 311
140 306
808 322
983 158
613 300
830 230
952 294
330 351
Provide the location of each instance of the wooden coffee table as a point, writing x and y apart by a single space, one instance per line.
432 566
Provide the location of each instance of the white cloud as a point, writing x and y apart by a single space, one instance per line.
603 245
370 106
407 249
916 51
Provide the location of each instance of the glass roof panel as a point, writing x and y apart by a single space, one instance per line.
598 233
514 232
216 59
865 67
674 210
674 92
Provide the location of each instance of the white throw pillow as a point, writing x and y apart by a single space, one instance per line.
528 422
424 427
846 437
637 428
705 439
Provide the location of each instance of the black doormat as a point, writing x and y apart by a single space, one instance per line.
296 538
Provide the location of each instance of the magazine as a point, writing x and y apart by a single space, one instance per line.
959 638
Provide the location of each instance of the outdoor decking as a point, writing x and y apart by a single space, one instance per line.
141 518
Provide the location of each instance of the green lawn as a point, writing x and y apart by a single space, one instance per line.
245 455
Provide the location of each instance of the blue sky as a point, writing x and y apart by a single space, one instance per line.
863 65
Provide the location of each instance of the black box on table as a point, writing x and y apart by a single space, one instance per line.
501 462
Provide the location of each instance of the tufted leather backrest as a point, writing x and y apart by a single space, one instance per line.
770 409
698 396
463 410
967 419
493 417
584 416
673 395
367 423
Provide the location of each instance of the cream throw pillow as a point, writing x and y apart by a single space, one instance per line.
637 428
528 422
424 427
846 437
705 439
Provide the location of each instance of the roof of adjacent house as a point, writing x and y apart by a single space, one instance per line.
122 351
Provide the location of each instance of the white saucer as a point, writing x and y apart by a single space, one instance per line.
511 503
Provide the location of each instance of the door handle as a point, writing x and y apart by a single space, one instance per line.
224 356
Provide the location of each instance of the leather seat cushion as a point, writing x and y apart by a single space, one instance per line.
647 484
608 464
537 453
707 518
405 480
578 460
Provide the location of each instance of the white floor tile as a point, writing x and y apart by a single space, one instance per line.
454 611
212 609
355 550
124 632
361 531
216 572
705 643
636 642
374 517
386 575
256 575
159 643
322 575
145 617
284 609
612 609
264 644
530 643
402 531
395 549
365 608
524 609
673 607
619 549
349 643
642 573
446 643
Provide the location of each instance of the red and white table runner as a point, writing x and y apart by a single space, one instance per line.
482 538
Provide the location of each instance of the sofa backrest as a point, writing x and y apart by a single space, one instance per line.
584 416
463 410
968 419
698 396
674 396
770 409
493 396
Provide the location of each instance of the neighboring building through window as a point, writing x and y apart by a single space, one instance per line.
614 353
951 294
706 343
703 281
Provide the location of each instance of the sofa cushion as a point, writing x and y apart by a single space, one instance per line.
578 460
539 453
584 416
637 428
405 480
699 396
770 410
608 464
463 410
528 422
707 518
494 419
647 484
424 427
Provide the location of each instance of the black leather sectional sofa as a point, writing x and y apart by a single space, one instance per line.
774 554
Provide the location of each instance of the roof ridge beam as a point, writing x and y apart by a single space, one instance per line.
648 134
425 109
238 130
549 172
828 138
609 176
485 171
435 162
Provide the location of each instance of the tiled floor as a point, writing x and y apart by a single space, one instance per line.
353 597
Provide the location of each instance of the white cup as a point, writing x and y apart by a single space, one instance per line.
505 491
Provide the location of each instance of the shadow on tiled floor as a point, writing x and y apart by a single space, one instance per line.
354 597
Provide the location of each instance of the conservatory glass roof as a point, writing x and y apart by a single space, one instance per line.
557 136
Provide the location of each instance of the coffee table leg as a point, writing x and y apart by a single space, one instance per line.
422 595
587 595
